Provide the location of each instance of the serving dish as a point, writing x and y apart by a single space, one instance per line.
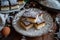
8 11
32 32
51 5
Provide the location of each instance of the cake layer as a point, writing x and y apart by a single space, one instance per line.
38 26
32 20
15 7
26 27
5 8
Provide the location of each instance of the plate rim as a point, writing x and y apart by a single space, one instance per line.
24 34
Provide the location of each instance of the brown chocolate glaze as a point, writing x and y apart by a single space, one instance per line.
29 17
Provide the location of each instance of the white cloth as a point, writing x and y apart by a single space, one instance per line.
3 17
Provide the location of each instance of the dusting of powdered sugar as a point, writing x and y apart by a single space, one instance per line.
39 20
26 22
31 13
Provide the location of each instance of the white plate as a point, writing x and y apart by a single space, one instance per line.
8 11
33 32
51 3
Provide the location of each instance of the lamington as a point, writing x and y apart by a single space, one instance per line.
14 4
26 25
8 5
31 16
4 5
40 22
